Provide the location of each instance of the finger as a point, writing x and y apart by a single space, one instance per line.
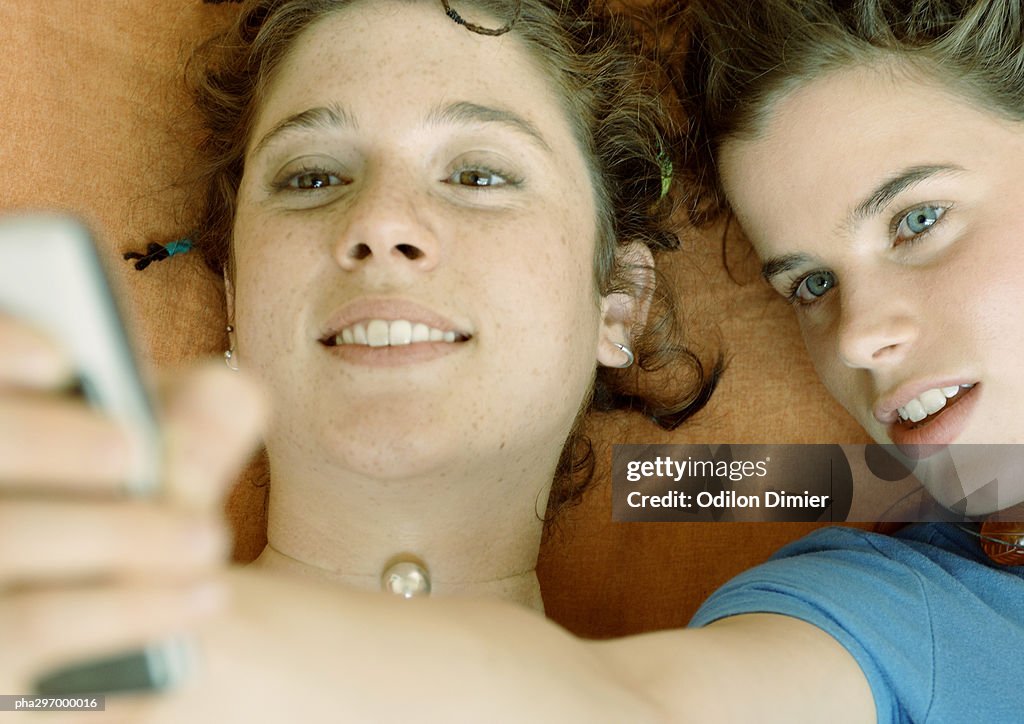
48 443
53 541
30 359
213 419
44 629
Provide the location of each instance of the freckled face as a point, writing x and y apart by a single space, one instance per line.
404 169
890 211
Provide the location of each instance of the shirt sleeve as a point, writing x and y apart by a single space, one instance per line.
937 634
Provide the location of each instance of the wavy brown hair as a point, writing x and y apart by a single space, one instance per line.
620 121
743 57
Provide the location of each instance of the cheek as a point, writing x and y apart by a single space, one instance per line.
269 273
822 348
548 258
565 272
549 295
990 296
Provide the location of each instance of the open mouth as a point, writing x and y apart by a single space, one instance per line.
924 408
391 333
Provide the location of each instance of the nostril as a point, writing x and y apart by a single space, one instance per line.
883 352
360 252
409 251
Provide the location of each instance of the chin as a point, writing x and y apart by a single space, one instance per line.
388 458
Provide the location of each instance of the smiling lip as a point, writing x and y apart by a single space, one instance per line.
938 431
364 311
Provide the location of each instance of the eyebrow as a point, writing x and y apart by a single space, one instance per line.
460 113
465 113
781 264
332 116
893 187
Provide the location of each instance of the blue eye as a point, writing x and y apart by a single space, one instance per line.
918 221
812 287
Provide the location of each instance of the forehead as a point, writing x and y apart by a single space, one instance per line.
829 142
388 58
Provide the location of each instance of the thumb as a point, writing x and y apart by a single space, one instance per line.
212 419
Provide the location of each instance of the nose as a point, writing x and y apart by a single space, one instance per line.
877 325
385 226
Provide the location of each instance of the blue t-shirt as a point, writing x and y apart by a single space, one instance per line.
937 628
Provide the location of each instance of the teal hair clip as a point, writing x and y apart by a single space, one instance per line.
159 252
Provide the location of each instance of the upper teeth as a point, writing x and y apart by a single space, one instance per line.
383 333
929 402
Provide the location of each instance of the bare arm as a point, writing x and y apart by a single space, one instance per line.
295 651
289 650
753 667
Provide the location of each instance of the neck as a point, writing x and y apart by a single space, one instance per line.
519 588
476 539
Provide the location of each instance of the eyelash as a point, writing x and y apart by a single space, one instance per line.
508 180
898 220
793 298
285 184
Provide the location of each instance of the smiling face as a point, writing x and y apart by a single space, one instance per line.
414 248
891 212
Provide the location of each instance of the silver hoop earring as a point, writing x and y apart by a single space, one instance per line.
229 357
630 357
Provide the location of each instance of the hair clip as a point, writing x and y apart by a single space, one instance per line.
667 170
159 252
459 20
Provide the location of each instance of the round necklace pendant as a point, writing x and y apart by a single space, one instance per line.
406 578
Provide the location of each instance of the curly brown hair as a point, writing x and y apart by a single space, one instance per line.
743 57
620 121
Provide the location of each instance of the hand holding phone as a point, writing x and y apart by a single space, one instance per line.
51 277
52 283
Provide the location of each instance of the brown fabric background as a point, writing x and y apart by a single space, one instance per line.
95 122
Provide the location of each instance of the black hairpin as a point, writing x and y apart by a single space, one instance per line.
473 28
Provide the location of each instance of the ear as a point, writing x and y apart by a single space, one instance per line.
624 313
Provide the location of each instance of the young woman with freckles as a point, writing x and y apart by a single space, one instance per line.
873 154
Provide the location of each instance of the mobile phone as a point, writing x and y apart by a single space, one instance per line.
51 276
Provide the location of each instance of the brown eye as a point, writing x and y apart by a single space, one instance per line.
477 177
313 180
